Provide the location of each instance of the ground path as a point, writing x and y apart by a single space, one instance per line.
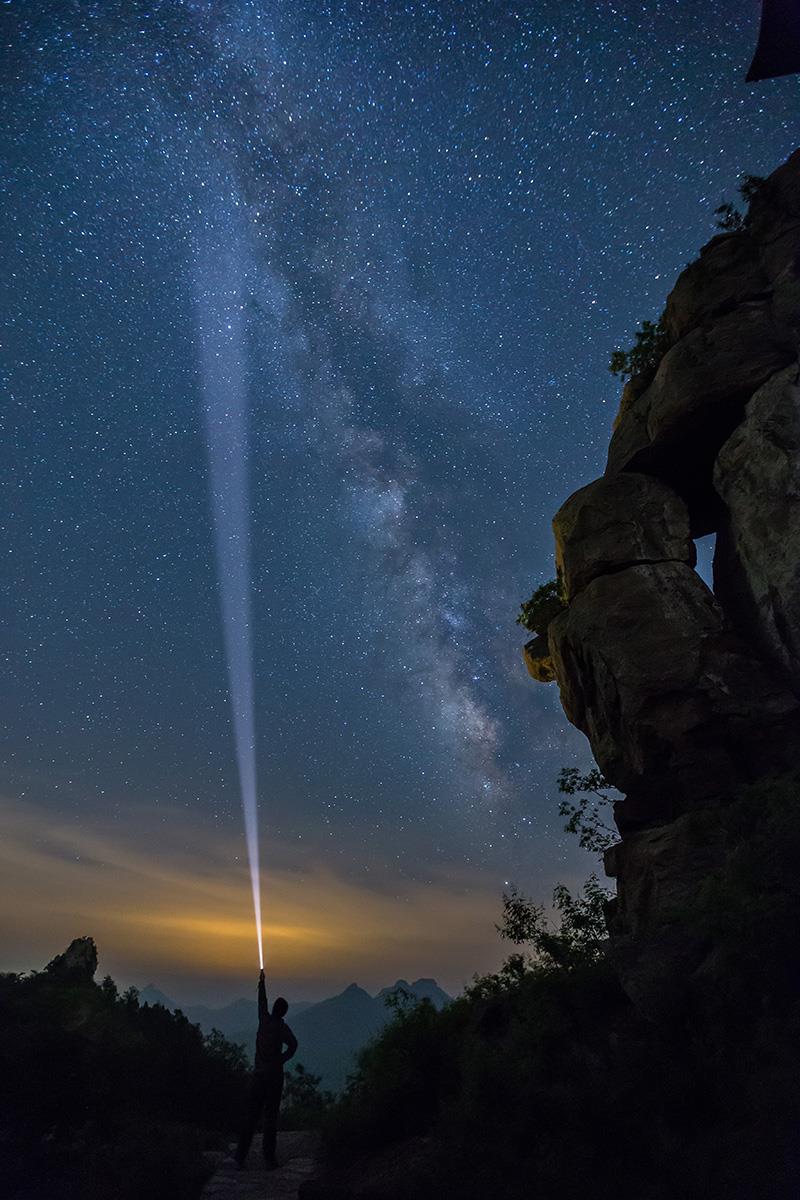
297 1156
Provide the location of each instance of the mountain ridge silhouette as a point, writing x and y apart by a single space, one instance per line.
330 1031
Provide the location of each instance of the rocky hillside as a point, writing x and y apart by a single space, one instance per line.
688 694
103 1098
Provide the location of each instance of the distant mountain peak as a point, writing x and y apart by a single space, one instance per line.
400 984
153 995
421 989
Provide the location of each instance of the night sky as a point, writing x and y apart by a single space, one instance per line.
442 218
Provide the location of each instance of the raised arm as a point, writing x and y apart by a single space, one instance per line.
290 1042
263 1007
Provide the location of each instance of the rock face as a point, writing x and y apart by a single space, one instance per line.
618 522
78 963
659 873
733 320
686 695
676 427
675 706
757 566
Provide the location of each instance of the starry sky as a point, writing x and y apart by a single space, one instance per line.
441 218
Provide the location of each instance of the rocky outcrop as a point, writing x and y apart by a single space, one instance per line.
537 658
675 706
727 273
757 565
77 964
687 694
618 522
676 427
733 320
536 652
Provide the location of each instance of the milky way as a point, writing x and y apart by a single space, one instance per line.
453 213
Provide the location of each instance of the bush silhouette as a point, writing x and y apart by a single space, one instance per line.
103 1097
650 345
544 605
545 1077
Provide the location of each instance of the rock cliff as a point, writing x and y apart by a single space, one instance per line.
77 964
686 694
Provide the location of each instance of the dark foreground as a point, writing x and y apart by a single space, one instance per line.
297 1155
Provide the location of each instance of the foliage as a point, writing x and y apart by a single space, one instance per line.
399 998
545 604
103 1097
586 815
750 187
650 345
304 1102
544 1075
730 219
651 340
478 1077
580 935
395 1089
230 1056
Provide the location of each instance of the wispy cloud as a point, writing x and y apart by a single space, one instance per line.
184 912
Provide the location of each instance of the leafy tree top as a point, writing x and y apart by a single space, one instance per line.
730 219
545 604
589 815
650 345
580 935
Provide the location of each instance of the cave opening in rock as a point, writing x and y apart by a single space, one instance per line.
705 557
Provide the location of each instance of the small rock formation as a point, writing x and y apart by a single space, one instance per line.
536 654
77 964
686 695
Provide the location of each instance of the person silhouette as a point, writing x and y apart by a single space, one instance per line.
266 1086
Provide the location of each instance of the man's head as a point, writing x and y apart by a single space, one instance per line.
280 1008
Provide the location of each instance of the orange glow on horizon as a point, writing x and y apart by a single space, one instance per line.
186 907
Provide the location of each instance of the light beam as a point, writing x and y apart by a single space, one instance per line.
221 270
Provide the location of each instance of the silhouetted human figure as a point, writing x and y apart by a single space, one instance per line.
267 1084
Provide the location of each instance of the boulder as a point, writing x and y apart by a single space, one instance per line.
616 522
676 427
757 563
677 709
536 654
727 273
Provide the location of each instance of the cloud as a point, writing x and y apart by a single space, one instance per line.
183 910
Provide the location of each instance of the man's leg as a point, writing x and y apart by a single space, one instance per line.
272 1104
255 1100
